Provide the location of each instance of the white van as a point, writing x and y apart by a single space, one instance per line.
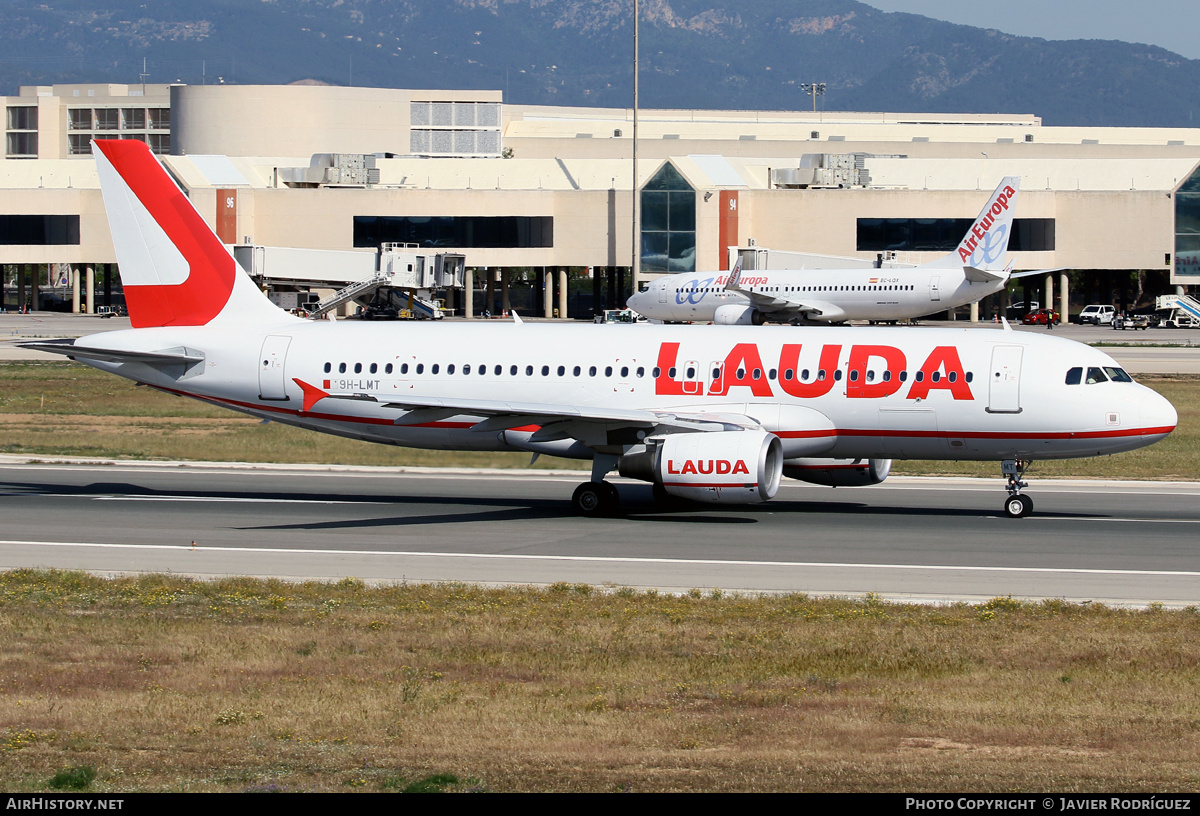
1097 314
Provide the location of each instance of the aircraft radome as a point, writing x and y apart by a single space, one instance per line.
711 415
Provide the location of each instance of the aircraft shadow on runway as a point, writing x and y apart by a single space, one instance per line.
637 505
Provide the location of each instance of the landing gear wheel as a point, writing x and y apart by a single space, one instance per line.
1018 506
595 499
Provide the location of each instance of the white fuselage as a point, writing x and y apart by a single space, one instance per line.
853 294
832 392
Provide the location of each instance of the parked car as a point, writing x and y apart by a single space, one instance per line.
1132 322
1040 317
1097 314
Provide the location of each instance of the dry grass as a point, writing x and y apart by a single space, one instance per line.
171 684
66 409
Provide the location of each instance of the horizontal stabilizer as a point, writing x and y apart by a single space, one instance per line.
976 275
1028 272
70 348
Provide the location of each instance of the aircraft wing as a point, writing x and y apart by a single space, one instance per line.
789 307
586 423
71 349
780 306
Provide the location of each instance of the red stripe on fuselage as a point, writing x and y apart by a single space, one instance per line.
856 432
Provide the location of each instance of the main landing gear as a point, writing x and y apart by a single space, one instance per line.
1017 505
598 497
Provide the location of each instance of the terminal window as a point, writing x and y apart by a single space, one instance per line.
461 231
944 234
668 223
1187 227
39 230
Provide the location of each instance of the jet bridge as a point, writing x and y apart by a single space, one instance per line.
397 280
756 257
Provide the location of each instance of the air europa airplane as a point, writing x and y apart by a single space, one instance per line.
717 416
972 271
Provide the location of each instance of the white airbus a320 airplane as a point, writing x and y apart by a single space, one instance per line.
972 271
717 416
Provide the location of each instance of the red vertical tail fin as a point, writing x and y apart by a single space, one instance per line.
174 269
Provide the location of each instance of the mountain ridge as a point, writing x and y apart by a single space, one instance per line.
701 54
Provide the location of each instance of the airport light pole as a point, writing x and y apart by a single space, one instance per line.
815 89
635 265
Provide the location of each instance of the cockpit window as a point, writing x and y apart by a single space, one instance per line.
1095 375
1117 374
1074 376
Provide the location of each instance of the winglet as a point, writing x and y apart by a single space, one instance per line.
735 277
516 317
312 394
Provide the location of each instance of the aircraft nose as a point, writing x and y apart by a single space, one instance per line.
635 300
1159 416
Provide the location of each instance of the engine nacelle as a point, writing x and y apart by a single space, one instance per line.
724 467
732 315
838 472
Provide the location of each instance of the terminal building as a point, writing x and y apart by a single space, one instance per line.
539 201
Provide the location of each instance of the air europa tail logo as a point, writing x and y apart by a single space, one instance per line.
706 467
983 245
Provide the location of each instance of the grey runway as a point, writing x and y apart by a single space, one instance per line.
922 539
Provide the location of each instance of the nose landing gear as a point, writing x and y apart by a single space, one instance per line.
1017 505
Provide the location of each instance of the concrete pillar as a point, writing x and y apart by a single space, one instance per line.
562 292
505 305
1048 302
21 300
547 293
90 291
35 281
468 293
1064 298
975 312
74 288
597 271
